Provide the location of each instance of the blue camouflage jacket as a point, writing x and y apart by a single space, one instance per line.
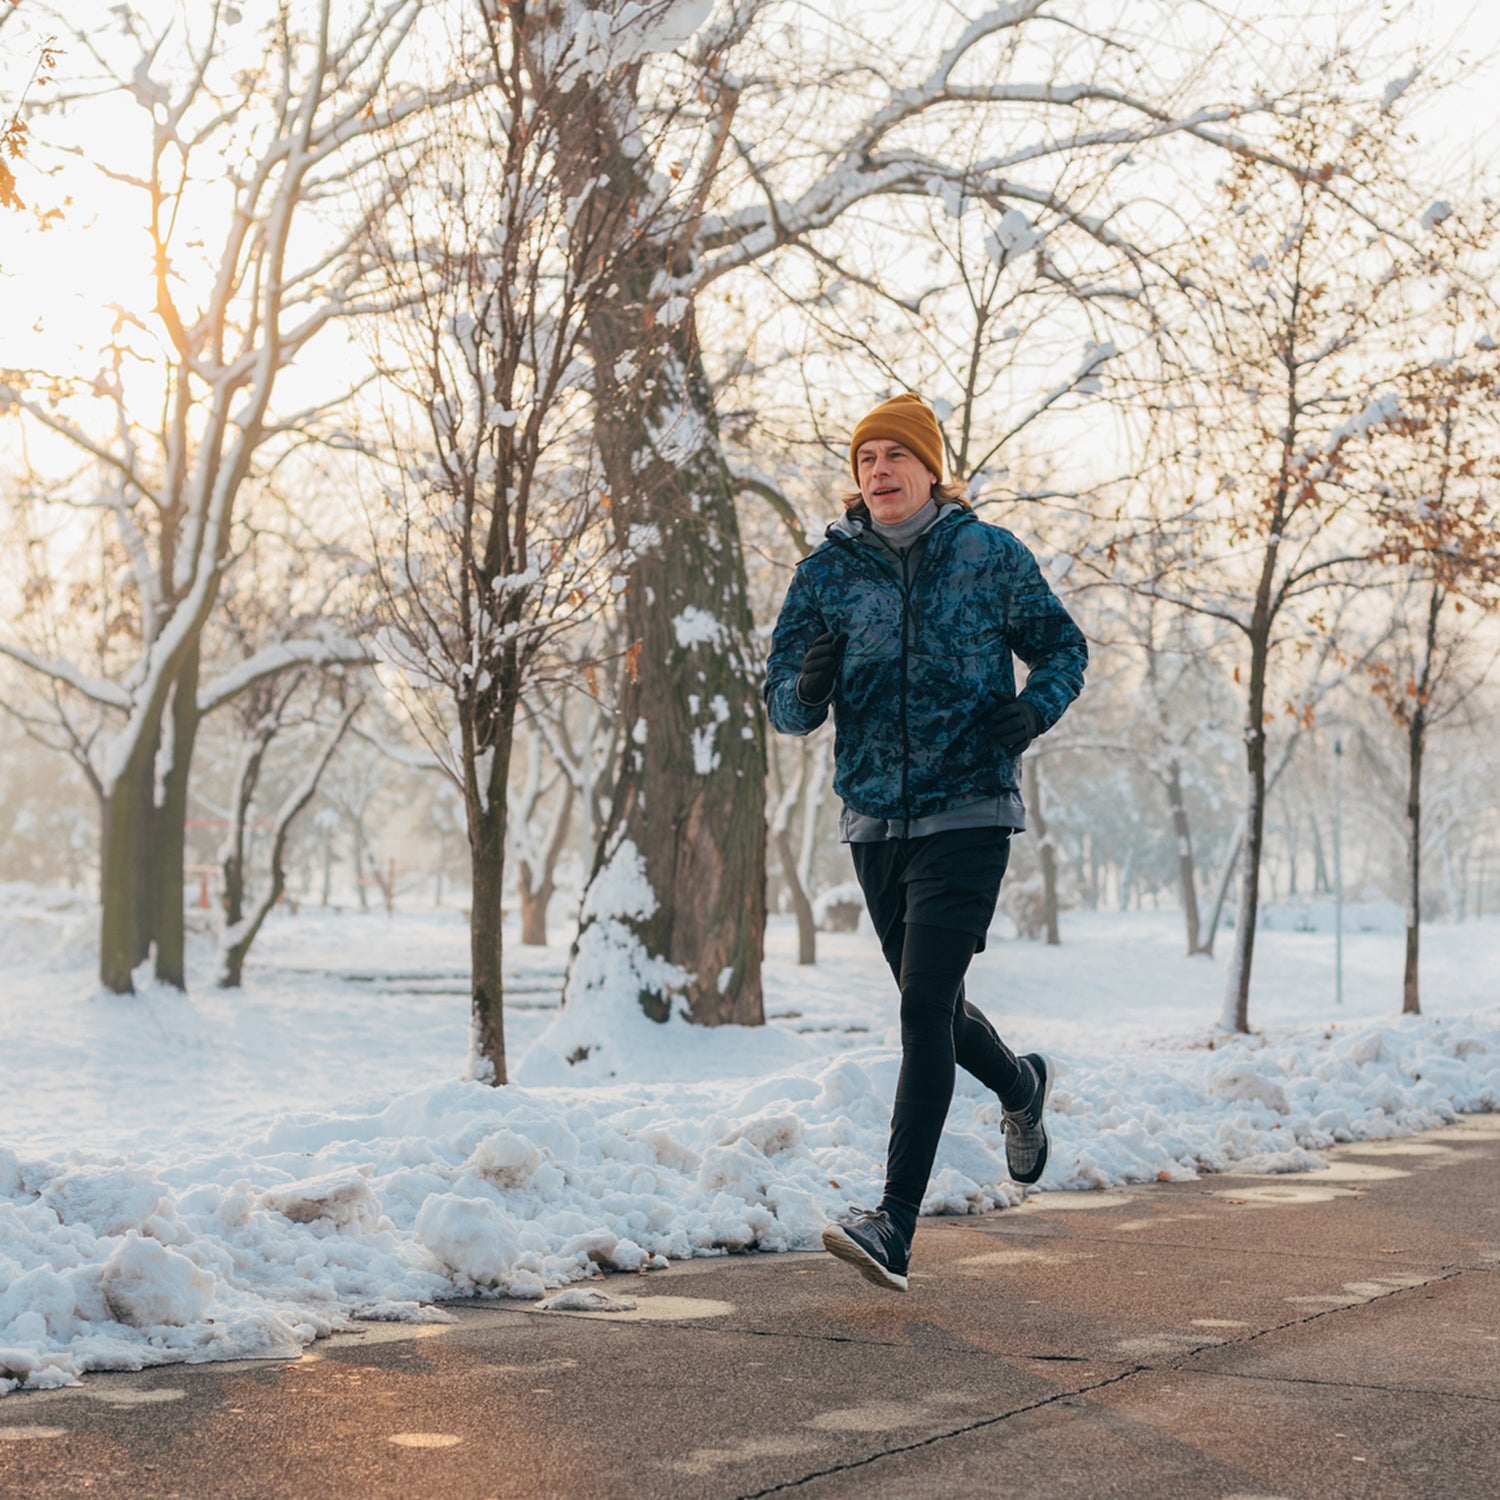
928 661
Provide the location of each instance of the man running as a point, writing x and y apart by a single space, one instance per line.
904 621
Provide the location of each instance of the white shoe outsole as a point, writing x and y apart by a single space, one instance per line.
837 1242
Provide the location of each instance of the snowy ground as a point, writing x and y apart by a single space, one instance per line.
230 1175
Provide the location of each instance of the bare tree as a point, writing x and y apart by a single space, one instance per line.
491 542
730 163
306 120
266 716
15 130
1306 273
1437 474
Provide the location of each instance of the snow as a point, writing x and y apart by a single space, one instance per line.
580 1299
611 971
234 1176
705 757
1375 413
696 627
1437 213
587 42
1011 237
1396 87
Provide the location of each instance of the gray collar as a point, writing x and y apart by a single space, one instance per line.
851 525
901 534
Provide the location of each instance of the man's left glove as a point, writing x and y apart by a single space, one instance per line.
1015 725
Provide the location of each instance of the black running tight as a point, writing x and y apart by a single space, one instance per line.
939 1029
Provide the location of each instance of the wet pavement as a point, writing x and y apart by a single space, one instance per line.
1327 1335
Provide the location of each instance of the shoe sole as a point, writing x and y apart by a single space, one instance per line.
1049 1074
836 1242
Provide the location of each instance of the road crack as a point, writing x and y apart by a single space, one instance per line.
980 1425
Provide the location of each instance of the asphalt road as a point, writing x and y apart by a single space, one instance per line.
1317 1336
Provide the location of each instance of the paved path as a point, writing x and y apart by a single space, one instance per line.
1316 1336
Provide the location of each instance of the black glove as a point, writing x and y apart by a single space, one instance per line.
820 668
1015 725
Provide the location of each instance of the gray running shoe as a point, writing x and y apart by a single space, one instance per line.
873 1246
1027 1143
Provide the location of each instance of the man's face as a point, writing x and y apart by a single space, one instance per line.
894 482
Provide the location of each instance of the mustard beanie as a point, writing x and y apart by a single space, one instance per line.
907 420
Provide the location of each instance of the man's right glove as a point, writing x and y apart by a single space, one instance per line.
1015 725
820 668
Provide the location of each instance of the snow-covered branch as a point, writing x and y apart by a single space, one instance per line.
329 650
96 689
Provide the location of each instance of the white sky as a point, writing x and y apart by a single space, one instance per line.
59 290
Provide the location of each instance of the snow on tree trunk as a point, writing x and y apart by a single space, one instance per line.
690 794
604 1018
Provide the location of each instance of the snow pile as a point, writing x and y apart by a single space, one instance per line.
227 1176
458 1188
611 972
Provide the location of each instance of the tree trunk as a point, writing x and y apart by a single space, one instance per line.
1221 891
689 798
1127 870
1411 1000
169 927
485 809
1453 881
1036 815
232 865
1236 1012
534 901
1089 869
807 931
125 838
361 860
690 794
1187 879
1322 884
242 932
232 873
1416 735
536 897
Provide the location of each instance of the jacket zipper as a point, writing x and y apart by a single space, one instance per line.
905 637
905 721
908 582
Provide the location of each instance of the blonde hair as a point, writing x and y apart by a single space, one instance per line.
945 492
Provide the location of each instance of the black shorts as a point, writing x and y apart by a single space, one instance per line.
948 879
